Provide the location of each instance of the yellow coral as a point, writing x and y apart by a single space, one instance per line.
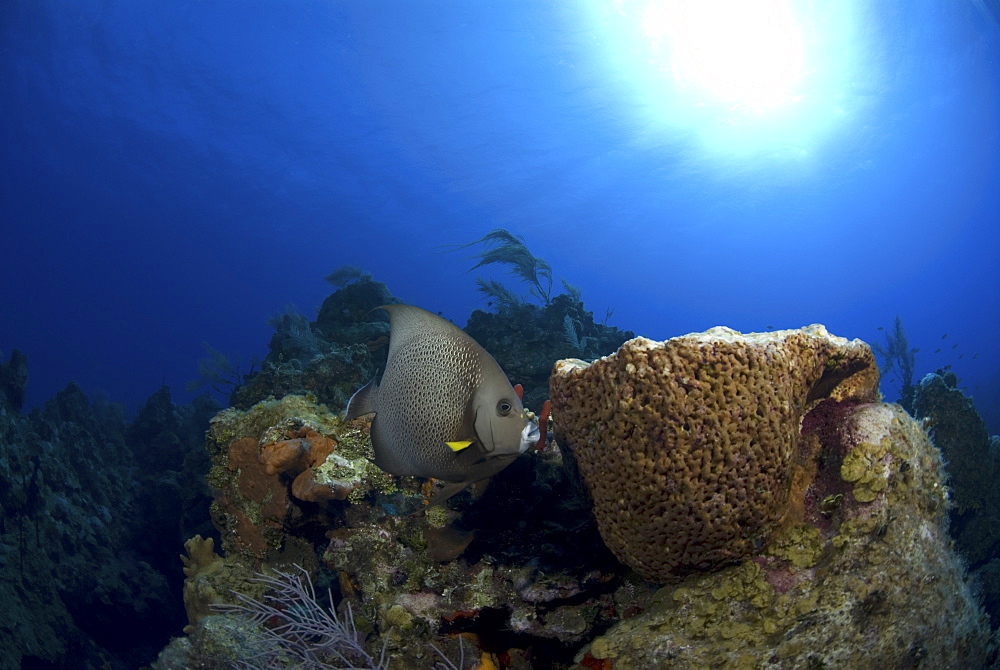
864 467
199 593
398 617
802 545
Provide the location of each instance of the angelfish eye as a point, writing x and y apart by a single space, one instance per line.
504 407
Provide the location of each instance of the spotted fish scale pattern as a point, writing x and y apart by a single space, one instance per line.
443 408
428 374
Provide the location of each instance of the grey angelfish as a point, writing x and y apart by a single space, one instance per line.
444 408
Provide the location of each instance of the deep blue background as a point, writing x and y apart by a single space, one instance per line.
174 173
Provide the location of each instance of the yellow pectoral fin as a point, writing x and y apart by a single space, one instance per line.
458 446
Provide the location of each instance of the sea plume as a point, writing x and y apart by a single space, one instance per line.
296 627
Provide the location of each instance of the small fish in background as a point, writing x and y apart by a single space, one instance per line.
945 336
937 351
954 346
444 408
880 328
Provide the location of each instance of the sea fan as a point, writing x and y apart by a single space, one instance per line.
578 343
498 293
297 628
572 291
220 372
502 246
896 357
298 632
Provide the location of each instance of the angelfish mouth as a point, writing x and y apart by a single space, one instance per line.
529 435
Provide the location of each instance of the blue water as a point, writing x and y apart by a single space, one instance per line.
174 173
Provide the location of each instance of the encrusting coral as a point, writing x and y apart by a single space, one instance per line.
687 445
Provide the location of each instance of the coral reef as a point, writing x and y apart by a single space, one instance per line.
13 380
333 356
76 581
860 574
504 566
850 568
973 462
273 463
687 446
527 339
328 358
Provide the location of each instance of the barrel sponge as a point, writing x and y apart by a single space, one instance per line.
687 446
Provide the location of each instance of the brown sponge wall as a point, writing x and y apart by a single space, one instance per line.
687 445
